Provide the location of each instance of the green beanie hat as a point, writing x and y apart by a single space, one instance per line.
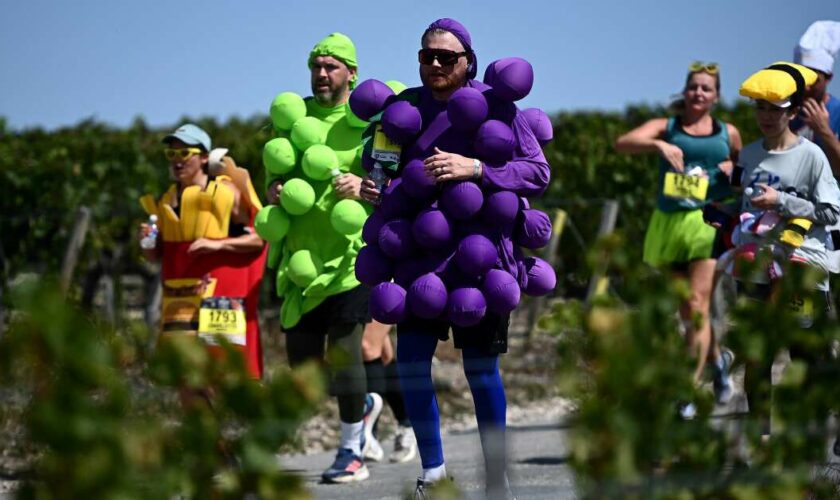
340 46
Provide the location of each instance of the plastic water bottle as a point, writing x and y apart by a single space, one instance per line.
149 241
378 176
753 192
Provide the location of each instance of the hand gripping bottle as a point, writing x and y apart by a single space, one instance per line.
377 174
149 241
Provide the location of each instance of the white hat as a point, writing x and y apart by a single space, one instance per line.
818 47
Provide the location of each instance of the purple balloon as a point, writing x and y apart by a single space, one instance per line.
534 229
395 239
490 74
387 303
461 200
466 306
369 98
536 276
513 78
467 109
431 229
416 182
373 266
540 125
501 291
495 142
427 296
373 224
396 204
476 255
401 122
500 209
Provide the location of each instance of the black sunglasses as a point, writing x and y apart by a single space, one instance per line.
444 57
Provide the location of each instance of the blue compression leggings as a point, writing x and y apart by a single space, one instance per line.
414 362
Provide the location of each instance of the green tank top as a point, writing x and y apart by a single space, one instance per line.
706 152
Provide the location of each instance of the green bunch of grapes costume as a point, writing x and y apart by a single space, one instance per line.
314 236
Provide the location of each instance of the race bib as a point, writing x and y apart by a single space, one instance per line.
384 150
222 317
693 187
803 308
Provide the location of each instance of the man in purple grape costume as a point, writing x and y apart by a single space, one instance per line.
467 157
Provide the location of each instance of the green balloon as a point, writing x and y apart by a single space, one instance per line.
279 156
353 120
308 131
304 267
319 161
271 223
348 217
286 109
396 86
297 196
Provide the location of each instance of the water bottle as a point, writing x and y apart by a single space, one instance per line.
378 176
149 242
753 192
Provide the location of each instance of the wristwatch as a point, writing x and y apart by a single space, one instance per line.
476 168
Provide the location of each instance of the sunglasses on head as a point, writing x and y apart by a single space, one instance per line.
711 67
444 57
181 153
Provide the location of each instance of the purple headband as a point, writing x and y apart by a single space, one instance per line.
463 36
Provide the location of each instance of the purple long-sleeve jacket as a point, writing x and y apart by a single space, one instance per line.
527 174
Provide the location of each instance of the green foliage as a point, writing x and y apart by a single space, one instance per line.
627 366
108 428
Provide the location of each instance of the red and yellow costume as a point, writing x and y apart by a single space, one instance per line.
190 280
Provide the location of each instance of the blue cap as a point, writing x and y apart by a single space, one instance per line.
191 135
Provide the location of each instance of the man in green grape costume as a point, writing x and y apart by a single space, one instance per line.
313 173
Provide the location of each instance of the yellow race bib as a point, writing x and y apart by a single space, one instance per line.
803 308
693 187
222 317
384 150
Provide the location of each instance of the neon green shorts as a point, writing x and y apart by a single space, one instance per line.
678 238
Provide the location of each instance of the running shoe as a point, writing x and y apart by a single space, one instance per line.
371 449
405 445
421 490
444 488
347 468
722 382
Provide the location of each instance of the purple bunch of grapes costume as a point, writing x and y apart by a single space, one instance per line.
452 246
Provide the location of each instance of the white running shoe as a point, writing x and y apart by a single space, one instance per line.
372 450
405 445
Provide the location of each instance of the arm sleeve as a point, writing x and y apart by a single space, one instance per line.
821 213
825 209
528 173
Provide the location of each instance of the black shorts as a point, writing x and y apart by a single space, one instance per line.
489 335
350 307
